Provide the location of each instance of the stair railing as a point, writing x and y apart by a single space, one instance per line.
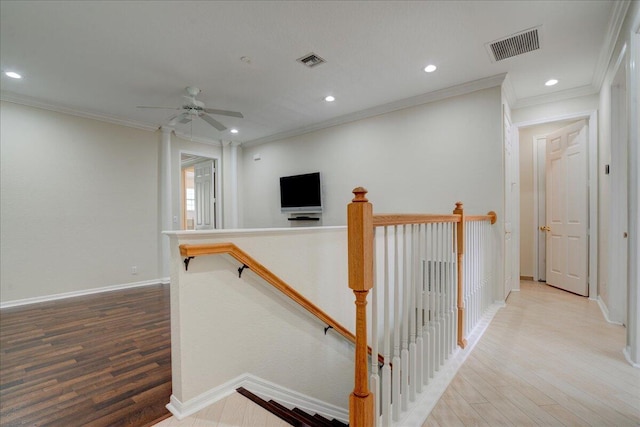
414 265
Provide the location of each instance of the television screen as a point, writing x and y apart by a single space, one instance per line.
301 193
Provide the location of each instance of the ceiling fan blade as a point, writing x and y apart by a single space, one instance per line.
223 112
213 122
179 118
161 108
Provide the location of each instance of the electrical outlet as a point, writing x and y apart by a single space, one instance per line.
134 269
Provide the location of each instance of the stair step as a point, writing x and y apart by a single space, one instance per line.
277 410
324 422
295 417
302 420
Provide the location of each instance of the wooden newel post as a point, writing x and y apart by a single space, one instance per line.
459 210
360 245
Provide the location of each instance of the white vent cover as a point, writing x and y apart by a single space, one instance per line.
514 45
311 60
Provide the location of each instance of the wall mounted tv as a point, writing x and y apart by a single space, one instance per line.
301 193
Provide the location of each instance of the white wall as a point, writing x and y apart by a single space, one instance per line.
420 159
617 291
224 326
79 203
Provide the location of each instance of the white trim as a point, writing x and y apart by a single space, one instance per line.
592 117
229 232
608 46
194 138
536 205
556 96
627 355
33 102
420 409
261 387
605 311
413 101
73 294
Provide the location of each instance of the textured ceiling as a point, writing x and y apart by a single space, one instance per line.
105 58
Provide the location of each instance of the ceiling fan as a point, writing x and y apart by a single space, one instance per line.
194 108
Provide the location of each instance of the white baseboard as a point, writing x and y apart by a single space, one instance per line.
627 355
419 410
263 388
45 298
605 312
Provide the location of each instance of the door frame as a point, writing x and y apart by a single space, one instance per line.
217 183
538 193
592 120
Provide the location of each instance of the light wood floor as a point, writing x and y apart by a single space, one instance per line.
235 410
548 358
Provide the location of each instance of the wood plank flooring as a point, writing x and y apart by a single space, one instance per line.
98 360
548 358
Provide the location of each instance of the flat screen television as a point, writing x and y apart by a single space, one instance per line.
301 193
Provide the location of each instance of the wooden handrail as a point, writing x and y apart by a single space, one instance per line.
385 220
187 250
491 216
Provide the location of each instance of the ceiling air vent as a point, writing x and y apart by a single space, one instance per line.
311 60
514 45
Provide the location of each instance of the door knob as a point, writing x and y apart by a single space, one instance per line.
545 228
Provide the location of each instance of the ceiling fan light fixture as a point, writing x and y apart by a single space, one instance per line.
234 130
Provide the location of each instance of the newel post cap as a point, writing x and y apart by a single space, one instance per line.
361 194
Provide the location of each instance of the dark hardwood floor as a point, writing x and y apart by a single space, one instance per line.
98 360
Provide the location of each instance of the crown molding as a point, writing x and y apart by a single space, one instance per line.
462 89
509 92
611 38
195 138
556 96
33 102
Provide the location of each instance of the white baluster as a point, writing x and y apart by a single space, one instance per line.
412 323
425 302
406 294
419 286
396 375
432 299
374 387
385 399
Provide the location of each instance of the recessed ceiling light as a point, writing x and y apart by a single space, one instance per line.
13 75
329 98
430 68
551 82
234 130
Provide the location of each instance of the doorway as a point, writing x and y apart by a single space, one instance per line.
199 189
531 141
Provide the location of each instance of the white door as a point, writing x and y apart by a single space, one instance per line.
567 208
509 202
204 195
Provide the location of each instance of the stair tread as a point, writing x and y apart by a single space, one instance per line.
303 420
276 409
322 420
296 417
